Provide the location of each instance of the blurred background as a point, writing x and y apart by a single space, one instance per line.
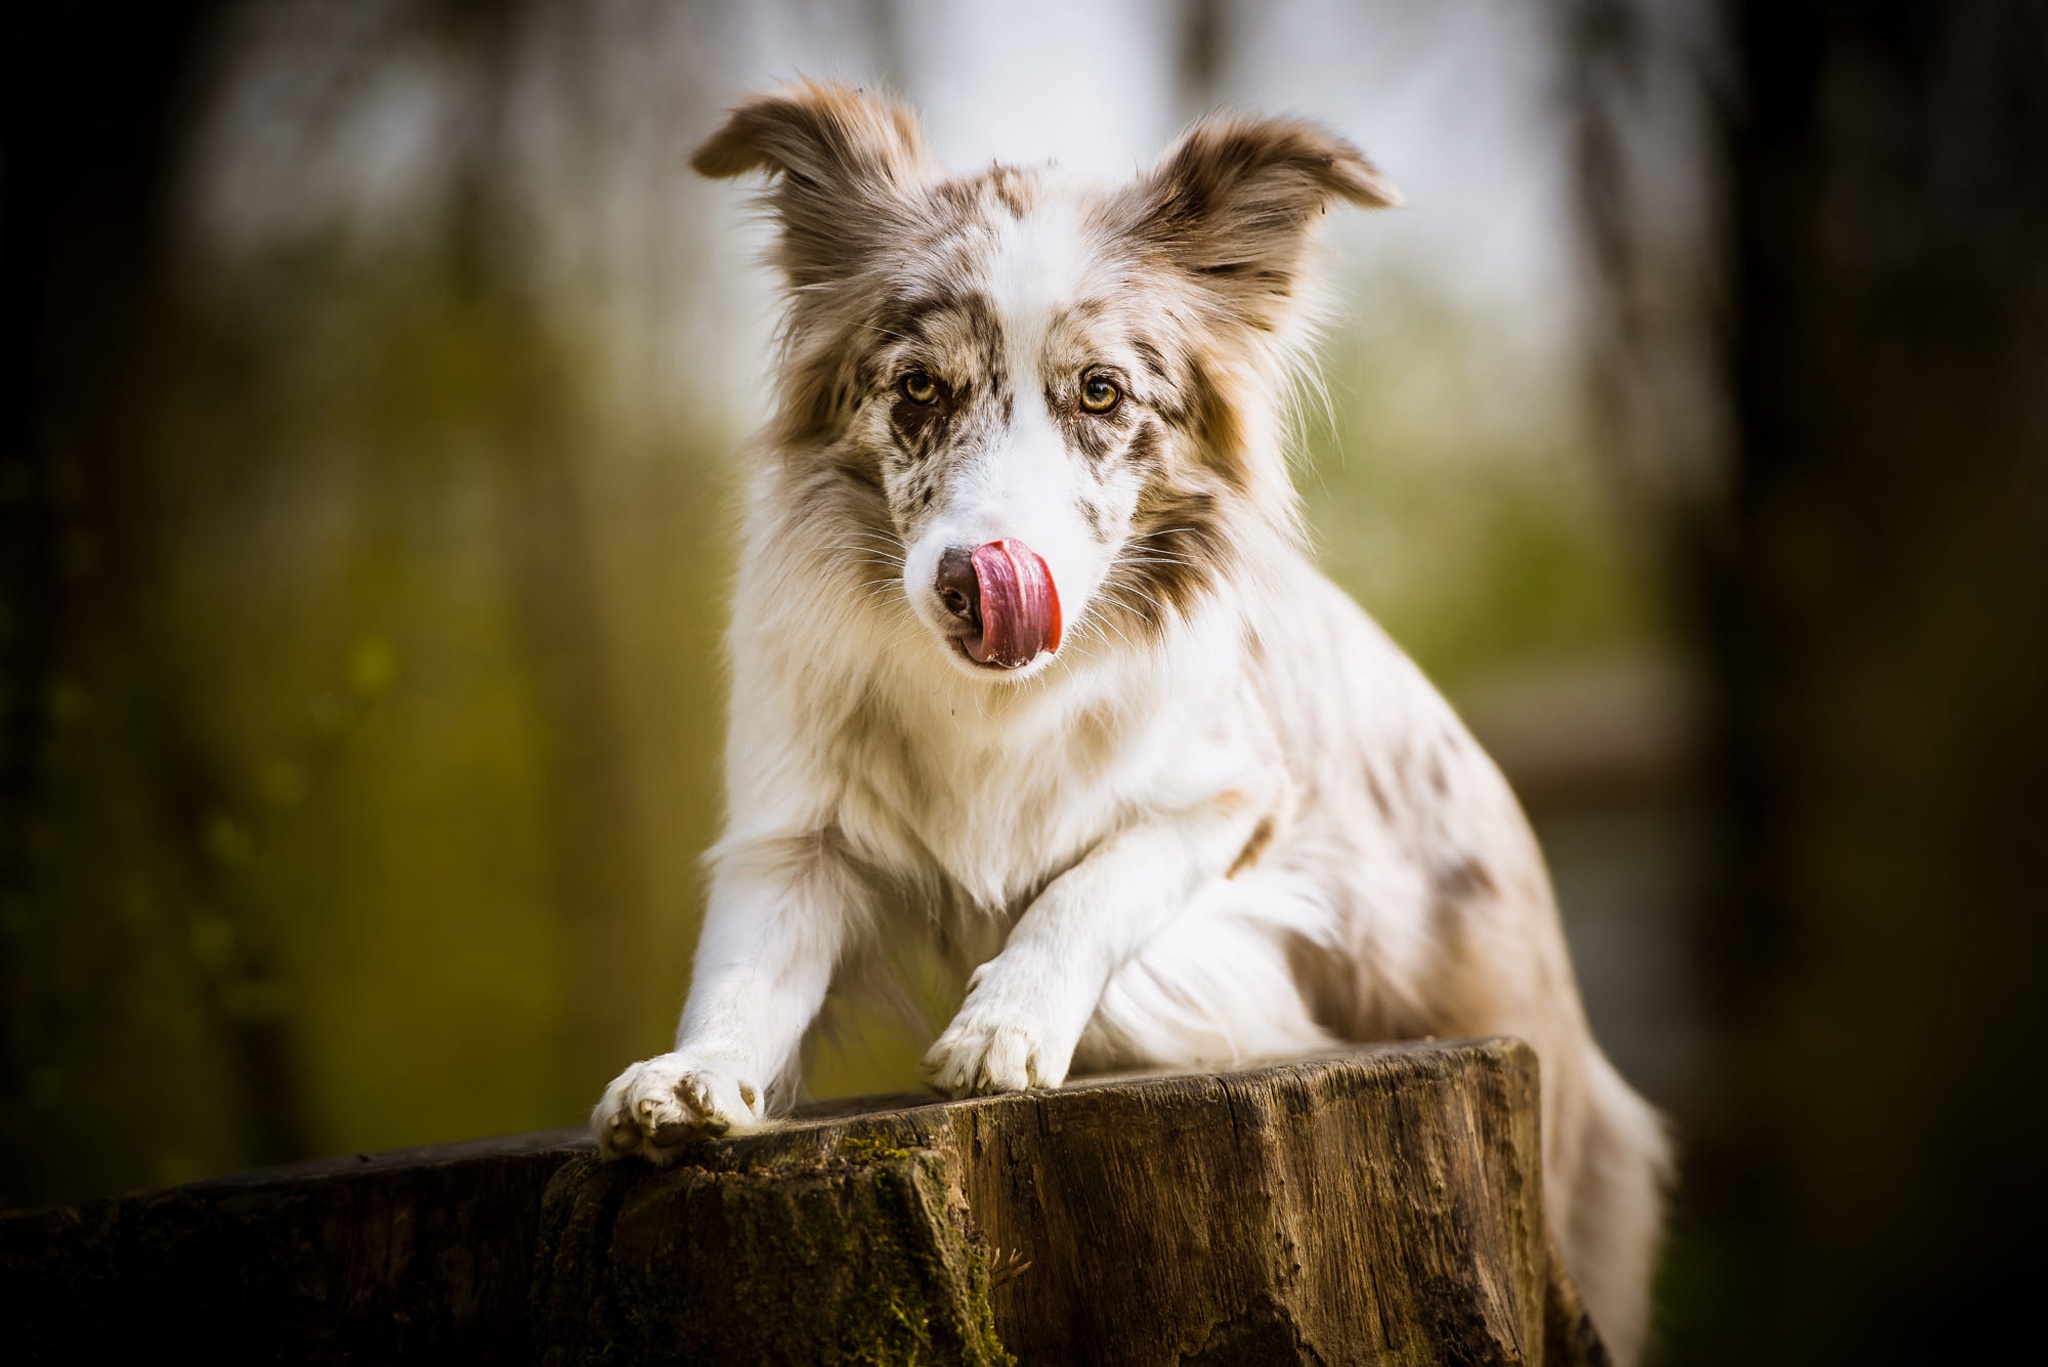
374 380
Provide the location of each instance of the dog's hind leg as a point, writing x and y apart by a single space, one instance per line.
1214 989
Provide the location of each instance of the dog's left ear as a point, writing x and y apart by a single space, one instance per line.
1233 203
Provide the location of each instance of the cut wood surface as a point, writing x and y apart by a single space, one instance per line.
1380 1206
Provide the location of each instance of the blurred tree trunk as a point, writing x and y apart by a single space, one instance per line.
89 134
1882 632
106 784
1871 579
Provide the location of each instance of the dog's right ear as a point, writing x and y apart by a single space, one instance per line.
841 159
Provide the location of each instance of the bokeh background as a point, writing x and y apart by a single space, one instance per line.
374 380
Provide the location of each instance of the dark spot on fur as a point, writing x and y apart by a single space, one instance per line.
1097 439
961 194
1145 448
867 374
910 318
1379 796
1218 429
1083 312
1460 1001
1262 836
1329 986
1465 880
1439 777
1454 739
1092 513
920 425
861 472
1011 188
1202 412
1150 355
917 317
814 397
1179 547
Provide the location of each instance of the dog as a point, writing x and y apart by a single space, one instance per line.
1029 667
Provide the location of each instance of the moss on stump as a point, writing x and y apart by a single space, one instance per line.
1376 1207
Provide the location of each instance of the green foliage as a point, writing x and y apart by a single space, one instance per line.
304 886
1452 489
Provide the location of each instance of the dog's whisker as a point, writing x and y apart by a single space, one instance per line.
869 556
1102 622
1159 560
1140 594
877 540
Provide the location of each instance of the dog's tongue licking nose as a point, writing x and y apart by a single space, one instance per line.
1020 609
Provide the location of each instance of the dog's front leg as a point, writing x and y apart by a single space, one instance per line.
773 927
1027 1007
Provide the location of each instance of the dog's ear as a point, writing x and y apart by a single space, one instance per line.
841 159
1233 201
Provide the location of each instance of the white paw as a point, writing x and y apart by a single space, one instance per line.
654 1108
997 1045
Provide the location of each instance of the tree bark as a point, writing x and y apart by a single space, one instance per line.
1383 1206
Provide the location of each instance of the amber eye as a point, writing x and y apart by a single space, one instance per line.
920 388
1099 395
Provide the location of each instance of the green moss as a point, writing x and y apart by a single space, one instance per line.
855 1256
869 1149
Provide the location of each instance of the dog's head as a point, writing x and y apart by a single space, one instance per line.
1047 403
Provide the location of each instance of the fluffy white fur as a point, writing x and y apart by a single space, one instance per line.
1228 820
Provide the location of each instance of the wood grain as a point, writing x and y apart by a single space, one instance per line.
1379 1206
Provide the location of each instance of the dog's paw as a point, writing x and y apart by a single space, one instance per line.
654 1108
990 1048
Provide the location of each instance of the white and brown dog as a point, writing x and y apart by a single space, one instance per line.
1028 664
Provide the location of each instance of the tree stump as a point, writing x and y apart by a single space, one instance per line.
1383 1206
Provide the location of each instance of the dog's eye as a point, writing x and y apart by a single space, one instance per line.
920 388
1099 395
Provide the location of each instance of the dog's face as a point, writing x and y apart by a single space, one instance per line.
1043 403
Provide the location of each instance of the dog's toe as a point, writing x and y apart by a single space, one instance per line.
656 1106
969 1060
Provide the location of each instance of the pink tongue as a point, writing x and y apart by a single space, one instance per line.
1020 609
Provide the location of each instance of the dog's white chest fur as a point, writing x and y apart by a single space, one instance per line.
999 795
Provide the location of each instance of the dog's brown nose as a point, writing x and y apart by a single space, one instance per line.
959 586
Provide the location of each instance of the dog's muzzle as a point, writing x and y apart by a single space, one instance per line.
1004 595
